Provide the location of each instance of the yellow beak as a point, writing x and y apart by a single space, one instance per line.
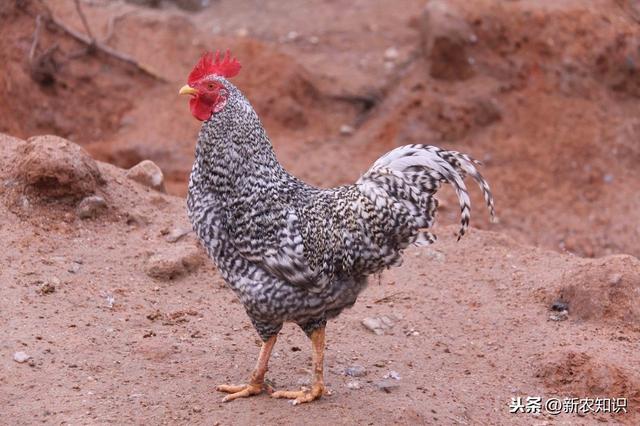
187 90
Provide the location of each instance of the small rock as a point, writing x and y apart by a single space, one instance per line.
91 207
177 233
292 36
345 129
110 299
355 371
21 357
387 385
373 324
242 32
378 324
314 40
354 385
154 315
391 54
560 316
137 219
174 262
147 173
304 381
614 279
74 268
392 375
48 286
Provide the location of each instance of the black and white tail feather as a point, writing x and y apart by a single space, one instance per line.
413 173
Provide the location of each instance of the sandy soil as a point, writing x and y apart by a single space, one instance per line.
545 94
471 328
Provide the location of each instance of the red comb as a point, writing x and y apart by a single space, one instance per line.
207 65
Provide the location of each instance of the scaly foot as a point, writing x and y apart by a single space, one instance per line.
301 396
242 391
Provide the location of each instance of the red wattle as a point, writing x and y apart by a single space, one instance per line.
199 109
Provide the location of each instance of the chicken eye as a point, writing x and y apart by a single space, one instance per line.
211 86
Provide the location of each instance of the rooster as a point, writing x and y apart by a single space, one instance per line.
292 252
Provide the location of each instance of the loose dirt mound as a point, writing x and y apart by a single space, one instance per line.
548 103
576 374
606 289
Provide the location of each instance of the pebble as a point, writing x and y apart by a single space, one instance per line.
173 262
304 381
147 173
614 279
345 129
91 207
176 234
559 316
387 385
21 357
48 286
392 375
378 325
355 371
391 54
137 219
354 385
74 267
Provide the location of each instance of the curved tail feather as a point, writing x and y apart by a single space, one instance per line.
413 173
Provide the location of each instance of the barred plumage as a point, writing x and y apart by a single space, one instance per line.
293 252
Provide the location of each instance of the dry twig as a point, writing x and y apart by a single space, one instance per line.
36 37
111 26
84 20
105 49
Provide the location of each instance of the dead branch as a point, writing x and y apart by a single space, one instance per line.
91 43
84 20
111 26
36 37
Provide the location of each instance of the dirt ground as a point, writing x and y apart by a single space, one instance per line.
544 93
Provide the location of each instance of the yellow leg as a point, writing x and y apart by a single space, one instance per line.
256 385
317 390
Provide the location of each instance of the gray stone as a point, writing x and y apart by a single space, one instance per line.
147 173
91 207
173 262
387 385
355 371
21 357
